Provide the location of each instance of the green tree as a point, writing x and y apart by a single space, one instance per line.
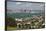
11 21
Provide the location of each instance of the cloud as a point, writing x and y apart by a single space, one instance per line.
8 0
18 2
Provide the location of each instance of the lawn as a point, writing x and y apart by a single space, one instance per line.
11 28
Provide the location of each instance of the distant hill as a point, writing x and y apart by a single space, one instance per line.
22 15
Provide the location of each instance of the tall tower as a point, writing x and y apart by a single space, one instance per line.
24 11
29 11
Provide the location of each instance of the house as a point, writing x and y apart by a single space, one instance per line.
27 22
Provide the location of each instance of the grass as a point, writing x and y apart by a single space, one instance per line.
11 28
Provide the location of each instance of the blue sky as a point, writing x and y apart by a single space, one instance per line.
33 6
24 5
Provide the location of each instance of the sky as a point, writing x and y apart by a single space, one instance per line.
24 5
